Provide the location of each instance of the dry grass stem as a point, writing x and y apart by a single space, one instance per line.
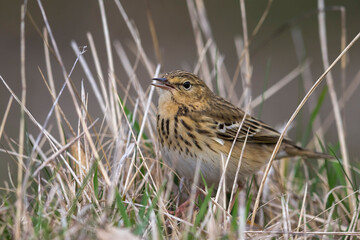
333 95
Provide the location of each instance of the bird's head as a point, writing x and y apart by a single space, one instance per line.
182 87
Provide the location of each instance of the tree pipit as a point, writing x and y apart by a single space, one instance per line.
194 125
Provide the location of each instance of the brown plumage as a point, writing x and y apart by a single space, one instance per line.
194 125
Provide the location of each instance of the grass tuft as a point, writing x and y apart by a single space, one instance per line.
104 177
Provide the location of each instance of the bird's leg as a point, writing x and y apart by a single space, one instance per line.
180 211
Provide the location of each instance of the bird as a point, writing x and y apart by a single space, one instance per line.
194 124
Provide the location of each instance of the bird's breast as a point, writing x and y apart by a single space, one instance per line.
186 143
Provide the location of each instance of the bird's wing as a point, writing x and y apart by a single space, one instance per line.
225 119
256 131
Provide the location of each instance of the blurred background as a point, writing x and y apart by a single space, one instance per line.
272 55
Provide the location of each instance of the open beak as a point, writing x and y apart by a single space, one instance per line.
162 83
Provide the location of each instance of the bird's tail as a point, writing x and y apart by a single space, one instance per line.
292 150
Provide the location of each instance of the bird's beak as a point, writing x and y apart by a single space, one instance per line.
162 83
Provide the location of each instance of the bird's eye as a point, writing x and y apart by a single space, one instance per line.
187 85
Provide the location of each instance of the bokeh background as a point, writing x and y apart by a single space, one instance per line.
272 54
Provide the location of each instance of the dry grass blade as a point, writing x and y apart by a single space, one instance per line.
5 115
279 85
52 84
134 33
255 31
204 70
307 78
302 211
349 92
19 189
154 36
219 68
246 71
157 71
89 76
222 179
112 83
333 97
237 172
